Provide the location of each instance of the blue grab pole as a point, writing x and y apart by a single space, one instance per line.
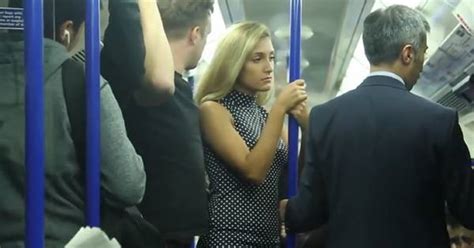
34 133
93 113
295 58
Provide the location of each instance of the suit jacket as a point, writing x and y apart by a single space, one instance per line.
380 165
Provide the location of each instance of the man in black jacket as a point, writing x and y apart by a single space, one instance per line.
381 162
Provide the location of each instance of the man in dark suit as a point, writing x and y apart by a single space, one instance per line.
381 162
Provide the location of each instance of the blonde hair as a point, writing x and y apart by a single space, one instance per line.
230 56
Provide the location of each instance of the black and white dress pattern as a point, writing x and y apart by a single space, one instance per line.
242 214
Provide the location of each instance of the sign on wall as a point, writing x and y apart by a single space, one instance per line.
11 18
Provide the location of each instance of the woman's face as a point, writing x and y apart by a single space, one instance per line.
257 72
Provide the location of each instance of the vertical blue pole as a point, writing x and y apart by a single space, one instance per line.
295 58
34 133
93 113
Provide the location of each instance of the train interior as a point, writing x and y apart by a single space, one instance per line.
333 60
332 57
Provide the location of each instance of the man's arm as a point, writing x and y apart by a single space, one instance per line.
159 68
122 173
458 176
136 56
308 210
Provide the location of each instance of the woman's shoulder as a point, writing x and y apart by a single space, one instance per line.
213 108
210 105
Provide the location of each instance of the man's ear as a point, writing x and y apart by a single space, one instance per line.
66 33
408 54
195 34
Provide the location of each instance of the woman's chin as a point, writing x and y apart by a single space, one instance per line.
265 88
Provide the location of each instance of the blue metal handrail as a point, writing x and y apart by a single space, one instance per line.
34 123
295 58
93 113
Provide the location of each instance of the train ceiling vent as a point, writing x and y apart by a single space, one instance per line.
453 101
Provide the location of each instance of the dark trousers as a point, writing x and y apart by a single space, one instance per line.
183 243
130 229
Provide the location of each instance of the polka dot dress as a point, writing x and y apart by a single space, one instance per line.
242 214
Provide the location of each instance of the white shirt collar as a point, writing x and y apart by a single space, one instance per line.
388 74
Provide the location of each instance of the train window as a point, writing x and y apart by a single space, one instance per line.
218 27
217 30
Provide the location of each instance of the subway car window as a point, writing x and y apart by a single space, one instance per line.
193 121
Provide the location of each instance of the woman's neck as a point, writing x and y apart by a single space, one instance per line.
241 89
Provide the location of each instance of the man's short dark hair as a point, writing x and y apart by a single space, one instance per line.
180 15
56 12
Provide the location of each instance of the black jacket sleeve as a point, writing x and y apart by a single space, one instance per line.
123 54
308 210
458 176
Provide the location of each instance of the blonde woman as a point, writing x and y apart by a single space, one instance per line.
243 145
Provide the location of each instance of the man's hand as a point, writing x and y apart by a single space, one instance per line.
283 209
301 114
282 217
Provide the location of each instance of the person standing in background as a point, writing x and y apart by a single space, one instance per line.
122 173
381 162
163 121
